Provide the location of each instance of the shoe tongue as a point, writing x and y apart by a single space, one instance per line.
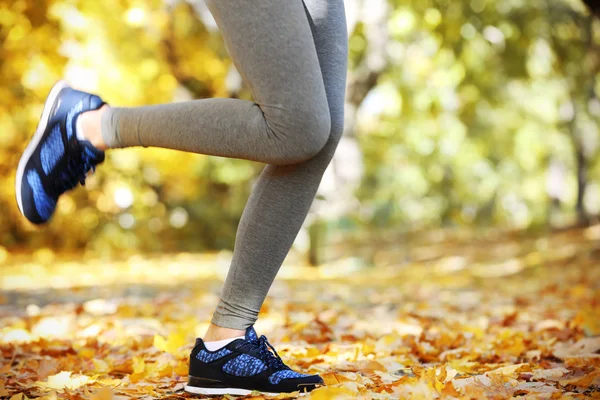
251 333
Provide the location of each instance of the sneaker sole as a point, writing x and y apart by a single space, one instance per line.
35 140
222 391
232 391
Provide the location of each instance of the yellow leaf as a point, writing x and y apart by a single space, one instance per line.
100 366
368 348
138 365
464 367
109 382
64 380
588 320
17 396
135 378
333 378
440 379
165 371
87 353
515 346
104 393
312 352
172 344
331 392
508 370
181 369
438 386
390 339
475 330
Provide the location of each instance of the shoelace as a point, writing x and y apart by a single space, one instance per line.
271 358
75 172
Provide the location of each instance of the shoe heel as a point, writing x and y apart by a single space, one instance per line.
205 383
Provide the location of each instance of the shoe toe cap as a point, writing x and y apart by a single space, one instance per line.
306 383
37 206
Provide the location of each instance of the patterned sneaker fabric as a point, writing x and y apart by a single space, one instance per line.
251 364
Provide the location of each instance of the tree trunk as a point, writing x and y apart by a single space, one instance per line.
582 167
338 192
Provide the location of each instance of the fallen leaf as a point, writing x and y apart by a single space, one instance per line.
64 380
508 370
333 378
369 366
584 381
138 365
172 344
551 374
3 391
586 347
104 393
531 388
332 392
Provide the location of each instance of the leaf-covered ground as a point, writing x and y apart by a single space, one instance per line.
491 317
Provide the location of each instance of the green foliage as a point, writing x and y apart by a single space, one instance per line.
480 99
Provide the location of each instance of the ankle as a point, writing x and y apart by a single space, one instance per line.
91 123
216 333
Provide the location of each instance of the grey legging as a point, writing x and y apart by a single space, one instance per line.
292 54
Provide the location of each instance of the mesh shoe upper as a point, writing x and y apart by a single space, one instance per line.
44 204
52 150
244 365
55 161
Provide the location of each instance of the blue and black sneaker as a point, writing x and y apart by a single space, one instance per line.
244 366
55 160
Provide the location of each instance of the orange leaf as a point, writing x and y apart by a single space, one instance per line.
3 391
582 381
333 378
166 371
370 366
449 390
181 369
104 393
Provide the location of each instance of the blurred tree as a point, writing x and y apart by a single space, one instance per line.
580 78
593 5
368 60
478 114
29 37
469 112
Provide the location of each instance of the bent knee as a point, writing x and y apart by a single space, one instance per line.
312 133
304 137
